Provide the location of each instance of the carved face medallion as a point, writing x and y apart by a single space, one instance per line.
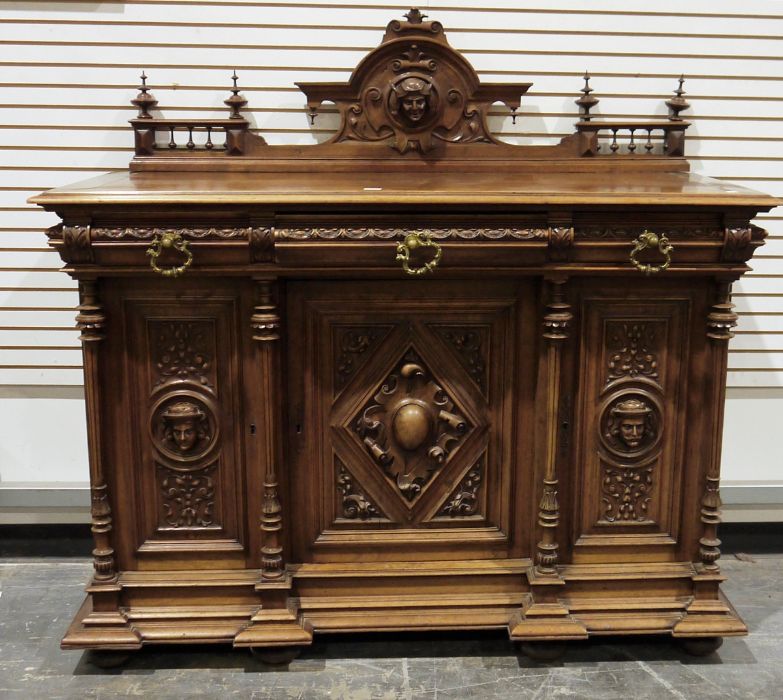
183 429
630 425
410 100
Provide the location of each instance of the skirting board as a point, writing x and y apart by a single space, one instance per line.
23 503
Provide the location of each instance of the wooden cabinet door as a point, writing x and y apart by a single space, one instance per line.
404 441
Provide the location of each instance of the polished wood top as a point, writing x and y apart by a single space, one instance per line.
641 188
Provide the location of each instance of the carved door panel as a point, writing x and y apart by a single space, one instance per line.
177 420
631 448
401 412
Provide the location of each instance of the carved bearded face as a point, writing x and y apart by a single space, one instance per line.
632 429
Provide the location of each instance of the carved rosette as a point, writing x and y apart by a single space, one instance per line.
354 502
466 500
411 427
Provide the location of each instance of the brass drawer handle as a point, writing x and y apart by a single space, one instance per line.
169 240
648 239
412 242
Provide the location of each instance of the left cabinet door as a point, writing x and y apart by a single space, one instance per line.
173 421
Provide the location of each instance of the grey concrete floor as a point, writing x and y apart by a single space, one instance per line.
38 598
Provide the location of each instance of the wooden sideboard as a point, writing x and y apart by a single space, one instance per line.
410 378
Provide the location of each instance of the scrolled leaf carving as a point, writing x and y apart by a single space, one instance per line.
355 503
626 494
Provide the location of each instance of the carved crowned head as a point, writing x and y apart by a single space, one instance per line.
410 99
184 425
631 422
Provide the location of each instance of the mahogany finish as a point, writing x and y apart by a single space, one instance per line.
289 434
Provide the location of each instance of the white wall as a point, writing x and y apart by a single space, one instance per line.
70 69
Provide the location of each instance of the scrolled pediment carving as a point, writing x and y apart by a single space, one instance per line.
414 91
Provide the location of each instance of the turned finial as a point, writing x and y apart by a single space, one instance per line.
587 101
236 101
677 103
144 100
414 16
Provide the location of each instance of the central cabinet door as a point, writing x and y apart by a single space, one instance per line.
409 419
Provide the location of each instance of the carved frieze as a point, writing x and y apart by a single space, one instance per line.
632 348
182 350
355 505
465 500
359 233
411 426
626 494
630 233
194 233
188 499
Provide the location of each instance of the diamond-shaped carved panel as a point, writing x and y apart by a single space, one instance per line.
411 426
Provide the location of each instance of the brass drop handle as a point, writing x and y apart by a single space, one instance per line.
412 242
648 239
169 240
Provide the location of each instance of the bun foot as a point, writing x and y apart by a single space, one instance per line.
543 651
106 659
701 646
276 656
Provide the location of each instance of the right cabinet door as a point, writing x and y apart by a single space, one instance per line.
635 452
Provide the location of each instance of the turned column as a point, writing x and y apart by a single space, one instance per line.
556 327
91 321
265 323
720 322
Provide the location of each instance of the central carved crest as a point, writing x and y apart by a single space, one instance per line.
414 91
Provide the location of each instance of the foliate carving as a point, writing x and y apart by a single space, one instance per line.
630 425
384 234
351 344
262 243
465 500
355 503
470 344
626 493
561 238
193 233
182 350
630 233
188 498
737 244
633 350
76 247
411 426
184 429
